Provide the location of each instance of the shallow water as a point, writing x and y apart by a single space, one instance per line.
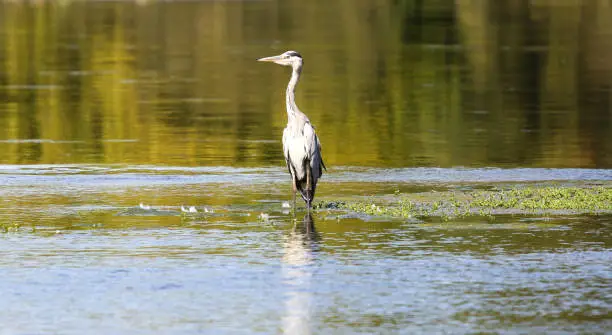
107 249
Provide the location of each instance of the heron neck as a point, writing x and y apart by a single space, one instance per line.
292 108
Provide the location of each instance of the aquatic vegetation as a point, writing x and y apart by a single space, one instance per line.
540 198
6 227
516 200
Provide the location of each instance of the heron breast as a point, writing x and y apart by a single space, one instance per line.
296 148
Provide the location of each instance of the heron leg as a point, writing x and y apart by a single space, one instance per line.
294 191
308 187
308 180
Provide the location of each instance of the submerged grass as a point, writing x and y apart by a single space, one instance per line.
517 200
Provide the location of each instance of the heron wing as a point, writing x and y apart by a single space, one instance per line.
313 149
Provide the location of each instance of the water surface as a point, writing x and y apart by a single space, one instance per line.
111 247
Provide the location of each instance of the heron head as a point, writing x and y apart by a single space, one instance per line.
289 58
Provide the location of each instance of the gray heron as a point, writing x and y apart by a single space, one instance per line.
301 145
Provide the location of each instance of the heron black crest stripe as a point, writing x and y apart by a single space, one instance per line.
294 53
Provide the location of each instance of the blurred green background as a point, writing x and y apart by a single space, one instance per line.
386 82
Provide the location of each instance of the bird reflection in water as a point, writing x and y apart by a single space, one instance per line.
300 250
308 229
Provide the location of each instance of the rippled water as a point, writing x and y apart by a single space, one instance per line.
106 248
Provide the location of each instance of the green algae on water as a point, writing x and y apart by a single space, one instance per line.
515 200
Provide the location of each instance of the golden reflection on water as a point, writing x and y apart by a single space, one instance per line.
387 83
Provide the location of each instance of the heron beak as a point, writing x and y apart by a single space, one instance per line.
269 59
